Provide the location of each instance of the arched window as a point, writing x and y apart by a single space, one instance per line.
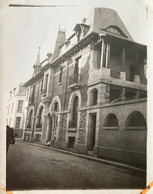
135 120
56 108
111 121
94 96
40 118
115 30
74 112
30 119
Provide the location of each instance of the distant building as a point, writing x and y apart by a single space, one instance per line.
89 96
15 109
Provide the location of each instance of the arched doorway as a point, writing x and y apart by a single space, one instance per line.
74 112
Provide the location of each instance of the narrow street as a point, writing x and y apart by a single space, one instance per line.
31 167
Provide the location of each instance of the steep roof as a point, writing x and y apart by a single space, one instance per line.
101 18
37 63
59 42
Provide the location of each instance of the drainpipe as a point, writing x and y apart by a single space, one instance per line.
65 92
65 86
35 113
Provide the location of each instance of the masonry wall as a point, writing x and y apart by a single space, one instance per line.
29 133
126 145
62 89
37 94
64 92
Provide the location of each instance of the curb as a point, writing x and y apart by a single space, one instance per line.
103 161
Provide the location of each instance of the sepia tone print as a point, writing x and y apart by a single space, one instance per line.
84 120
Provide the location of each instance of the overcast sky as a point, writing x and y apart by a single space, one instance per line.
25 29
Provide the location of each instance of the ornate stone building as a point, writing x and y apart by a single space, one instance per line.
89 96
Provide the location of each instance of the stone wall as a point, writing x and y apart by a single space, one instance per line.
62 128
82 127
123 144
44 131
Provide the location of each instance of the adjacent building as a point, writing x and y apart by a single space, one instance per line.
89 96
15 109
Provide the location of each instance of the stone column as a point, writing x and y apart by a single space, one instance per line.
137 76
136 62
137 94
102 52
33 129
107 55
45 131
123 73
103 94
123 94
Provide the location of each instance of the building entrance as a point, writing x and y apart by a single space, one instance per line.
92 132
49 128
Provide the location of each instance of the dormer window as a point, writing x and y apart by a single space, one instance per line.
114 30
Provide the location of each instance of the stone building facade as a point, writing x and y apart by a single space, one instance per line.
15 109
89 96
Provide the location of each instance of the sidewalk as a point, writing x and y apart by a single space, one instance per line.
104 161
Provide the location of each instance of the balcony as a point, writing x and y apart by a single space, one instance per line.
73 81
115 74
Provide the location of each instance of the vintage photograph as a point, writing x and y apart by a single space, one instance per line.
76 85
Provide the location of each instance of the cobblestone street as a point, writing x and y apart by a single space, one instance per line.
31 167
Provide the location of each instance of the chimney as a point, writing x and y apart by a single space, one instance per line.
84 20
49 55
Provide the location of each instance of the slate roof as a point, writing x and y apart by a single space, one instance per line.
101 18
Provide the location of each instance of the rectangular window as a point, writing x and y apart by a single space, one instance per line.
21 89
41 87
27 94
20 105
60 76
76 69
74 78
45 84
32 94
12 107
18 121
